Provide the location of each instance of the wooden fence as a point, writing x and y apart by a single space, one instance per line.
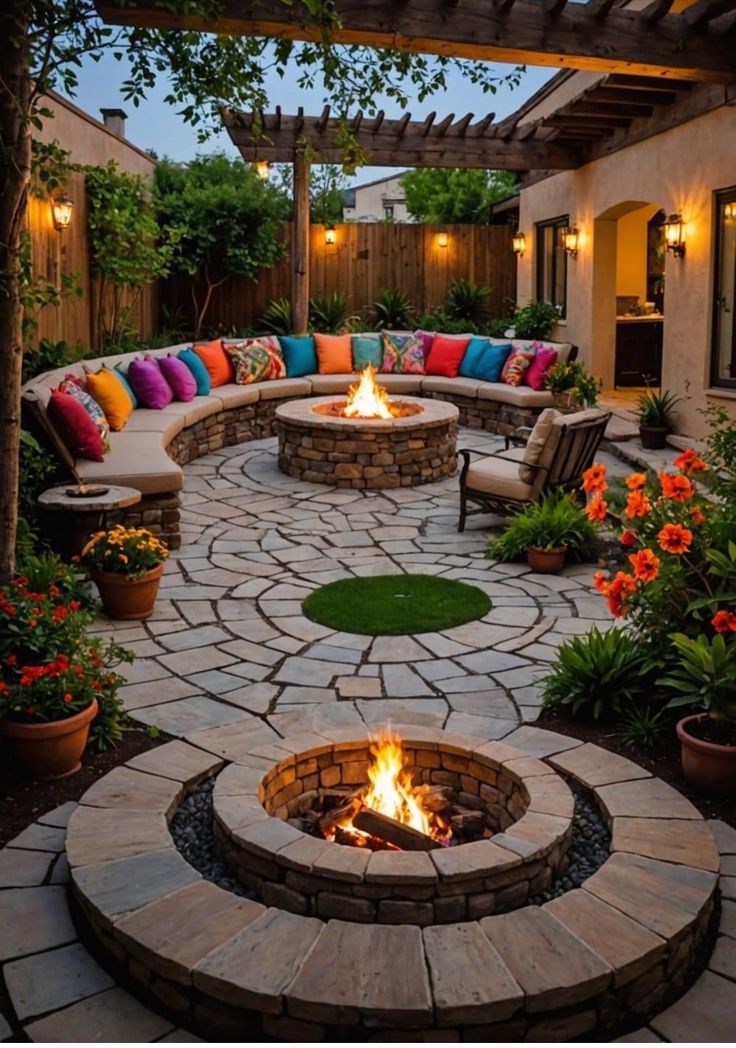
365 259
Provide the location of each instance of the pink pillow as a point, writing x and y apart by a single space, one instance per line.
446 355
149 384
179 377
426 338
76 427
544 359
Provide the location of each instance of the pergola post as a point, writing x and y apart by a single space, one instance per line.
300 246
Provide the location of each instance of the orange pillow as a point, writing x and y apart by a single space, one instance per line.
215 359
111 395
335 354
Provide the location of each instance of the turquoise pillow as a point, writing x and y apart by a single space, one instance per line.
197 368
122 375
471 356
492 360
300 355
367 349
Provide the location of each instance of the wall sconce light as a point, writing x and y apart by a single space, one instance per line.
673 235
330 235
729 212
570 240
443 238
61 209
518 242
263 169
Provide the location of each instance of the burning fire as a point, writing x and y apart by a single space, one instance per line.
391 792
366 399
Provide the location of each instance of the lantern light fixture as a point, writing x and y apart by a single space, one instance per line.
443 238
673 234
729 212
571 240
518 242
61 210
263 169
330 234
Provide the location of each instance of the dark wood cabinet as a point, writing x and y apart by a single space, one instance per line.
638 353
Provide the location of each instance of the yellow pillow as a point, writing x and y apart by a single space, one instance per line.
335 354
111 395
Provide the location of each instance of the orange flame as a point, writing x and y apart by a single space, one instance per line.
367 399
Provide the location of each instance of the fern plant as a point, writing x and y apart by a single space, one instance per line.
277 317
393 310
555 520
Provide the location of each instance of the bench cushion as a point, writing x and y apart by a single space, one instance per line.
338 383
136 460
233 395
284 387
461 387
521 396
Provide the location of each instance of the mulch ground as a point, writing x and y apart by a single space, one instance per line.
662 759
23 800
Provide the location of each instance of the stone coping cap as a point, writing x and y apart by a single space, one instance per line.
301 413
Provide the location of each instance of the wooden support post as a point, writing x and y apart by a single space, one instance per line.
300 246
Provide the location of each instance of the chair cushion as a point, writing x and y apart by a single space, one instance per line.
136 460
446 355
332 383
367 349
107 388
198 370
499 477
300 355
75 426
180 378
151 388
334 354
536 443
215 359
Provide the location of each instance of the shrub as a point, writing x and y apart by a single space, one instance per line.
393 310
598 674
39 469
557 519
466 301
535 320
330 314
573 377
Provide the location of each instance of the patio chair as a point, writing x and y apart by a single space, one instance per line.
557 452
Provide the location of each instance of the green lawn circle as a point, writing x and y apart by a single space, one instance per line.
395 605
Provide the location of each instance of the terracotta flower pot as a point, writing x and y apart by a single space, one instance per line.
124 597
708 766
51 750
653 437
546 561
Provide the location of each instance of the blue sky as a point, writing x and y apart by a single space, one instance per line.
156 125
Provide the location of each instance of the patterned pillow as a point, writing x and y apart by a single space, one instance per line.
515 366
252 360
272 345
75 388
402 354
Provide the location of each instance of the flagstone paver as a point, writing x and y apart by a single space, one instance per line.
48 981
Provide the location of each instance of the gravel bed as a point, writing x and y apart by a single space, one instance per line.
191 829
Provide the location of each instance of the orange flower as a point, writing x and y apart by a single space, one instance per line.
645 564
635 481
618 590
673 538
690 462
676 487
597 508
637 505
628 537
698 517
723 621
600 582
594 479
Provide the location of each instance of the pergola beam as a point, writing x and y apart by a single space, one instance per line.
579 36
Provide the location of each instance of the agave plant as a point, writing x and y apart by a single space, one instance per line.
277 317
393 310
330 314
466 300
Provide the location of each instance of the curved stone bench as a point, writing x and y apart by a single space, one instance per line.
149 452
612 949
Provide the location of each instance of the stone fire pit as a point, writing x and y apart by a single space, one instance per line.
317 444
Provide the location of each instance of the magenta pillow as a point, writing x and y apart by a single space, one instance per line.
179 377
149 384
544 359
76 427
446 355
426 338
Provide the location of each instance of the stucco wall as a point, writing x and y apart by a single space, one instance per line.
370 200
678 170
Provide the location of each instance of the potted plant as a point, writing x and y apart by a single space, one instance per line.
656 411
545 531
126 566
572 386
54 680
705 677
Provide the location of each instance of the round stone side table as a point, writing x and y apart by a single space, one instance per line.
86 513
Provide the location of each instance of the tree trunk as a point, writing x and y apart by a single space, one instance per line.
15 171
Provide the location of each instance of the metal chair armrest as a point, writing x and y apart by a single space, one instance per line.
518 437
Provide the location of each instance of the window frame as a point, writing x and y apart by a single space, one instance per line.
557 224
720 198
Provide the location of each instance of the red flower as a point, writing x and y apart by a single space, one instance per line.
594 479
96 686
60 613
723 621
68 698
645 564
673 538
11 660
628 537
690 462
74 605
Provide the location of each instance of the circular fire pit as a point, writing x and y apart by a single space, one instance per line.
318 443
504 844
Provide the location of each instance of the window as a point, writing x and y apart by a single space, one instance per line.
388 212
723 366
552 263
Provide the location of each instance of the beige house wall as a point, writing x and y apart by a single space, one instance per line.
677 170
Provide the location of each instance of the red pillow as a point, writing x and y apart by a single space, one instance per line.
446 355
218 363
76 428
544 359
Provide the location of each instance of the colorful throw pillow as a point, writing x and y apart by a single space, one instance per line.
488 368
199 371
74 386
300 354
402 354
76 427
544 359
471 356
367 349
516 364
106 388
446 355
251 360
121 373
215 359
151 388
177 374
426 338
334 354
